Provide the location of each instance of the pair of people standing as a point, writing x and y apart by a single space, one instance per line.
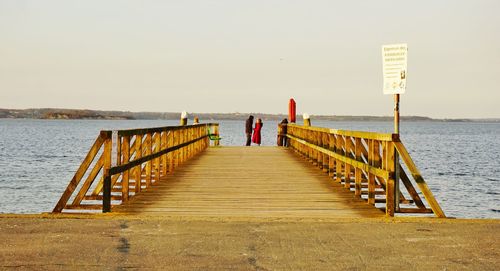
256 138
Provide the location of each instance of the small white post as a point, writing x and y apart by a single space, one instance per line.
307 120
184 115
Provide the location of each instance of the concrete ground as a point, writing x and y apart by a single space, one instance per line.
114 242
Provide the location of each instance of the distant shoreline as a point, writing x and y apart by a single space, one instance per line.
55 113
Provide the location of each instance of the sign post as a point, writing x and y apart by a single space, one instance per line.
395 72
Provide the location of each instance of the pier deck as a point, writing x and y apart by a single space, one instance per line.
248 182
320 173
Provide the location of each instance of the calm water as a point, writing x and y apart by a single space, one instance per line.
460 161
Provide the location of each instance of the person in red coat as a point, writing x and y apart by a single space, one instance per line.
256 132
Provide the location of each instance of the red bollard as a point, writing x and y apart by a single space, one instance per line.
291 110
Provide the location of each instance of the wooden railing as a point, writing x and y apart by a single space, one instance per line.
367 164
126 162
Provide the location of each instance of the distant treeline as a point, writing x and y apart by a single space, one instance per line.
52 113
55 113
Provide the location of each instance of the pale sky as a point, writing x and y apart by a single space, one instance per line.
250 56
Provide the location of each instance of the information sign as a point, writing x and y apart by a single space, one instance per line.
395 68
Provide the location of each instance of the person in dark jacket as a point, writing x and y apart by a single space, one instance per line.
283 138
248 129
256 132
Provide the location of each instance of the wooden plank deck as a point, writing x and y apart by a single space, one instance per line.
249 182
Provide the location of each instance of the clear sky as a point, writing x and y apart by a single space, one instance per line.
249 56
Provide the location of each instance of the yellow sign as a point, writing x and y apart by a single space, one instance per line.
395 68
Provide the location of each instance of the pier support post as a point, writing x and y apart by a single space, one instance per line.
106 188
106 193
390 186
396 154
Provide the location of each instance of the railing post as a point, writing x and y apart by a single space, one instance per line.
280 136
157 148
310 136
138 154
216 132
206 142
182 151
390 195
190 147
170 155
126 173
318 155
357 170
176 152
347 166
164 157
338 147
331 160
186 148
397 173
326 159
106 192
148 144
373 155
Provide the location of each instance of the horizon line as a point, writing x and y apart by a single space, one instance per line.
254 113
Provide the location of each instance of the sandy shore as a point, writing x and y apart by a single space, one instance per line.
118 242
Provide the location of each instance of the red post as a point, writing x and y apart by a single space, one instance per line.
292 110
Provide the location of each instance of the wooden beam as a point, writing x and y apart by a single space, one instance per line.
405 156
100 197
84 207
390 184
415 211
170 155
411 190
357 171
88 182
142 131
125 177
156 161
147 145
164 156
106 193
138 166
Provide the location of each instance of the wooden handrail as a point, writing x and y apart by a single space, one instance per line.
131 132
369 158
360 134
130 161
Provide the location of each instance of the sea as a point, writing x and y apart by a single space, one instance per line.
460 161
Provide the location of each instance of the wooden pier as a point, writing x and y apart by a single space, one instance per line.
248 182
321 172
